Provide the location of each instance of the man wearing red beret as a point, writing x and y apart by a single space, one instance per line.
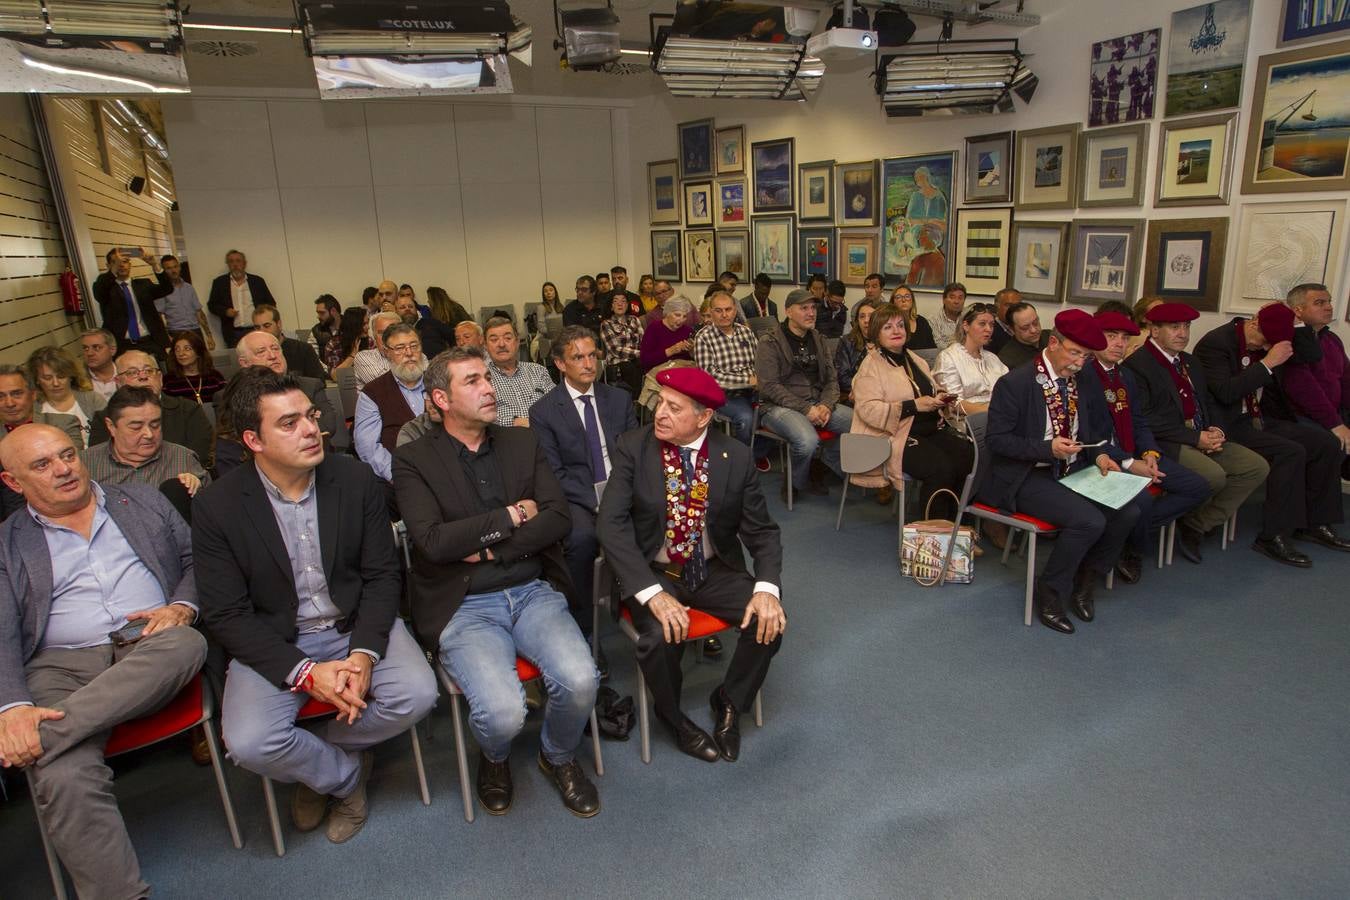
1243 360
681 501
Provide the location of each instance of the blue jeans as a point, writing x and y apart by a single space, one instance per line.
479 648
742 416
802 439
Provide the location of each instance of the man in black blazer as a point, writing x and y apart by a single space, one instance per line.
756 304
578 424
487 518
1042 427
234 295
681 500
299 581
1242 361
1175 399
122 296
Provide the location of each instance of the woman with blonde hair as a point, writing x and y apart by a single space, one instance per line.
63 387
967 368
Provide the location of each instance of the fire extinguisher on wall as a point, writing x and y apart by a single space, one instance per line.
72 298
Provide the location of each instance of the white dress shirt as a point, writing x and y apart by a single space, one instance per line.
241 298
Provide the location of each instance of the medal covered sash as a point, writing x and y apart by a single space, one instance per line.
1247 356
1118 401
1181 380
686 505
1063 419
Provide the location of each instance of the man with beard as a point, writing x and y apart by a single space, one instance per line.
390 401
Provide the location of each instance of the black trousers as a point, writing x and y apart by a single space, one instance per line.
939 460
1304 485
725 595
580 549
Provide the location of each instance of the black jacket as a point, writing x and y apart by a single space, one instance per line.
114 308
220 300
301 359
1161 404
1229 383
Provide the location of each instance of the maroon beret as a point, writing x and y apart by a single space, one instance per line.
695 384
1277 322
1171 312
1114 321
1080 328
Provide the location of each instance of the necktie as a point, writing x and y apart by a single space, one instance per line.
1062 385
592 424
696 567
133 327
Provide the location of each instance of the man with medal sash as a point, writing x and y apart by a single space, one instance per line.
1183 490
680 502
1042 426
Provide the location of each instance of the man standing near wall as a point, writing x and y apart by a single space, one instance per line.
234 295
181 307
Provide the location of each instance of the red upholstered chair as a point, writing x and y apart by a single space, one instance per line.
194 705
757 432
525 671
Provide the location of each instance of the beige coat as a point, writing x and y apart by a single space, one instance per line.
878 390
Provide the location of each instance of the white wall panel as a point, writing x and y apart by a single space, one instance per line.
319 144
422 237
575 144
334 244
580 235
217 221
497 144
412 143
506 252
220 143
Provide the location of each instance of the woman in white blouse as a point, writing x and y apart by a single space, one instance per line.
965 367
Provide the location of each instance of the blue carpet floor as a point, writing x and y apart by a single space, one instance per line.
1192 742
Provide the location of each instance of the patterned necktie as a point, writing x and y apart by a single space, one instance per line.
133 327
696 567
592 424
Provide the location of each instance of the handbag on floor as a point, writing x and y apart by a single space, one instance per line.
924 545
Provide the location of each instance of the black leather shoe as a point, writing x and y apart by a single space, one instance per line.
1278 549
495 789
693 740
712 647
1129 568
726 725
1188 542
578 794
602 664
1324 535
1080 602
1051 613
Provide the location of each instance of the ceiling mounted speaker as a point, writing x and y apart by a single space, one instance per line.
136 185
893 27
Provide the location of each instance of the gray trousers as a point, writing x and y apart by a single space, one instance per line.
98 688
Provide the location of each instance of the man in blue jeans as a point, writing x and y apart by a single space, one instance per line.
799 391
487 518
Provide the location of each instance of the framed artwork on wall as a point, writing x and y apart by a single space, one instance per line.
859 253
1047 167
1104 260
855 184
1301 20
771 173
1036 267
983 238
1124 78
731 202
773 243
1280 245
699 265
988 171
815 191
730 150
1183 260
1205 52
1195 161
666 255
1113 166
1297 139
695 140
733 253
815 253
917 218
698 203
663 201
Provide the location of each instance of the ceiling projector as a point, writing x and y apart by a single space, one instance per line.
841 42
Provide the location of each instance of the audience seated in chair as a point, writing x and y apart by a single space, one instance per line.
966 367
183 422
1320 392
518 384
726 351
391 401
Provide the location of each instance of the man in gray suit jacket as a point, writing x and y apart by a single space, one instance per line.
65 680
18 395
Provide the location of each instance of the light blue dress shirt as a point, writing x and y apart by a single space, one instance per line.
368 424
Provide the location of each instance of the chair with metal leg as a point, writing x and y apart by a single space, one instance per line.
859 453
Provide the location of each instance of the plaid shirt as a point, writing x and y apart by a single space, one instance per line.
171 461
622 338
729 358
517 393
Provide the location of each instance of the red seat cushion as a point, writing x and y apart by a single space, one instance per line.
701 624
1155 490
1038 524
825 435
526 670
314 708
178 715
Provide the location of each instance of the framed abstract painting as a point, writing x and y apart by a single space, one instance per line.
700 266
666 255
859 253
815 253
773 243
855 186
916 227
695 140
698 203
1184 261
730 148
988 171
815 191
731 203
1047 167
733 253
1124 78
771 174
1281 245
663 200
1311 20
1038 259
1104 260
1112 162
983 238
1195 160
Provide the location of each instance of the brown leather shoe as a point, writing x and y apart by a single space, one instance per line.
308 808
349 813
201 752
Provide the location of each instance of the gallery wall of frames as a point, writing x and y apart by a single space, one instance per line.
1203 157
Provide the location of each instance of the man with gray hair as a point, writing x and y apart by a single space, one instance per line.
391 401
1319 390
18 395
372 363
518 384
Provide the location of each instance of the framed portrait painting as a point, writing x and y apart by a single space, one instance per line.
1047 167
1104 260
1124 78
815 253
773 243
663 200
1036 266
733 253
815 191
730 149
731 203
983 238
1281 245
988 171
700 266
698 203
1205 53
666 255
855 186
859 253
1184 261
695 140
917 219
771 174
1112 163
1308 20
1195 161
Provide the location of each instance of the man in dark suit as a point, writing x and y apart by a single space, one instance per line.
680 502
300 356
129 310
299 581
262 349
756 304
578 423
64 683
234 295
1176 401
1041 428
487 518
182 422
1242 361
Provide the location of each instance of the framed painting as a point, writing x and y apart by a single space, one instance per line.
855 184
1124 78
859 252
917 219
663 201
815 253
1183 260
773 244
1104 260
698 203
815 191
771 173
695 140
988 171
1281 245
1195 161
699 264
1113 166
1047 167
1205 53
1303 20
983 238
666 255
731 203
1037 259
733 253
1297 139
730 148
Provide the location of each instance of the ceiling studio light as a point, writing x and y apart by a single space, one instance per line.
956 78
446 30
59 22
699 67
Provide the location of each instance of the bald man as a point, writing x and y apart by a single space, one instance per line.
262 349
386 293
183 421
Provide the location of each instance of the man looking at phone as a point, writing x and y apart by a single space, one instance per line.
70 667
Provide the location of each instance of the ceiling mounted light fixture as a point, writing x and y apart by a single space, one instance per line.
738 51
954 78
61 23
448 30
